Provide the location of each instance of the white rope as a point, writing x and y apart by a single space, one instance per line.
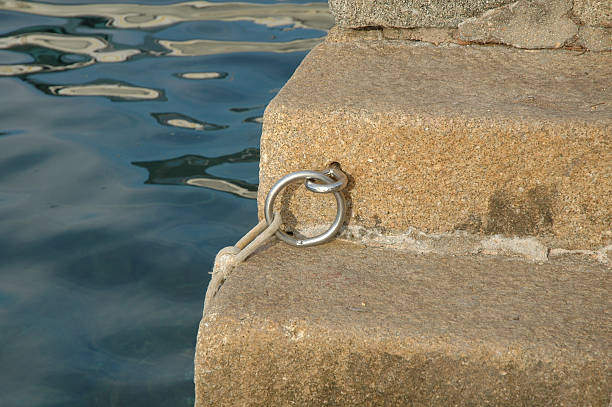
229 257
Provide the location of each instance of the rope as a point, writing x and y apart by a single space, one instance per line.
229 257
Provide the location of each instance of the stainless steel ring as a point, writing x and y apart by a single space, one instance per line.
338 185
297 177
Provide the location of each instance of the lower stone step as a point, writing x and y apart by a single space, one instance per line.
345 324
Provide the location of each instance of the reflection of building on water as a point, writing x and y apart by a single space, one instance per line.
192 170
94 47
52 51
223 185
313 15
254 119
113 90
246 109
185 122
202 75
55 47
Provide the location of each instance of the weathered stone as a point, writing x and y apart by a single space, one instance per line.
487 140
593 12
595 38
339 34
433 35
523 24
408 13
347 325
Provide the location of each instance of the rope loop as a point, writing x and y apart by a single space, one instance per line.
229 257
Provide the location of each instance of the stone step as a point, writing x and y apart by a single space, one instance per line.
448 141
530 24
343 324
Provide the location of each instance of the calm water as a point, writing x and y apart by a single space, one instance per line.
129 139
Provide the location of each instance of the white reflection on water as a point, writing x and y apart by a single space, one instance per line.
312 15
183 121
93 47
186 124
211 47
24 69
19 69
98 50
202 75
222 185
256 119
113 90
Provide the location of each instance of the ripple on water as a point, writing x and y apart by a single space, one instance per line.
193 170
94 47
114 91
113 212
311 15
185 122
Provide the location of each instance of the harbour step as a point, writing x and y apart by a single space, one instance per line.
344 324
474 267
445 140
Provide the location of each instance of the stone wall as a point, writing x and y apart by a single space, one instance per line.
531 24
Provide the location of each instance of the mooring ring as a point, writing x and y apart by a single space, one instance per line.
338 185
297 177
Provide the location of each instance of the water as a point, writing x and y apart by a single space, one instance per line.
129 141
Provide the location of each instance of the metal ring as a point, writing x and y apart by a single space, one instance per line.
297 177
338 185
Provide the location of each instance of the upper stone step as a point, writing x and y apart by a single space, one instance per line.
448 140
522 23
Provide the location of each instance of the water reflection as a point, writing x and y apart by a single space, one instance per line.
184 121
116 91
39 45
111 90
101 277
192 170
94 47
254 119
63 49
23 69
203 75
246 109
312 15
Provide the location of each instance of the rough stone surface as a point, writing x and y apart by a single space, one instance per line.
595 38
593 12
408 13
523 24
346 325
433 35
487 140
529 24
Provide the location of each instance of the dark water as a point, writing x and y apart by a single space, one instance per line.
128 158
